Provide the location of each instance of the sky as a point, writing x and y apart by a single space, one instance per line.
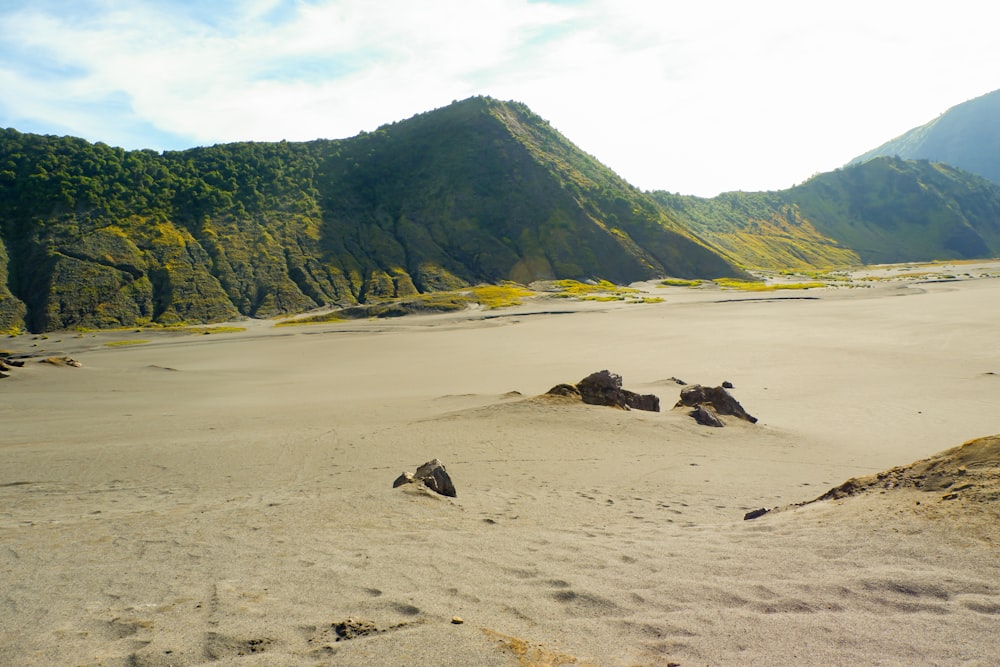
694 96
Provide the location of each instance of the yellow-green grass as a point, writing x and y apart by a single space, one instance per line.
487 296
574 288
312 319
679 282
123 343
754 286
500 296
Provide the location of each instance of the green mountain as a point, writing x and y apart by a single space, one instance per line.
479 191
893 210
966 136
881 211
759 230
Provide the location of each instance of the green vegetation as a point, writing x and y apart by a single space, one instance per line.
680 282
312 319
965 136
486 296
758 286
573 288
410 217
125 343
480 191
886 210
603 290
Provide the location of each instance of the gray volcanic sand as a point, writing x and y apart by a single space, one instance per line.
226 499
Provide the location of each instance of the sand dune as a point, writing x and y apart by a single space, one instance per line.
226 499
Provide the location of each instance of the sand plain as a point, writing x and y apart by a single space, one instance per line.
226 499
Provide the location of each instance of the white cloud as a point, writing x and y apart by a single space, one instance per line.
694 97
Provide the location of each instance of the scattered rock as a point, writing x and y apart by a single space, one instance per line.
62 361
647 402
755 513
16 363
4 375
605 388
432 475
706 416
676 380
457 620
726 384
720 400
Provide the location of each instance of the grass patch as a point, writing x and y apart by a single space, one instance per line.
679 282
574 288
755 286
312 319
601 291
124 343
487 296
500 296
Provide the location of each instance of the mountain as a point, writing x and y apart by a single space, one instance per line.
478 191
881 211
966 136
759 230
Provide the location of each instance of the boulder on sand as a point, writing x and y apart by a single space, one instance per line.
432 475
720 400
605 388
706 416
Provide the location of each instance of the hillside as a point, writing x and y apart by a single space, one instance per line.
893 210
479 191
884 210
760 230
966 136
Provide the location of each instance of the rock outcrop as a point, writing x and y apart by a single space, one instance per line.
605 388
706 416
711 402
432 475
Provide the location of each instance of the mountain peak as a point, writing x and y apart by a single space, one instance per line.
965 136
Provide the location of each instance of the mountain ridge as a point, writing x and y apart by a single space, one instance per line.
478 191
885 210
966 136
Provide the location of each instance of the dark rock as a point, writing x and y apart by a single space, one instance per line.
676 380
755 513
605 388
564 390
720 400
436 478
647 402
602 388
727 384
432 475
405 478
3 366
706 416
4 375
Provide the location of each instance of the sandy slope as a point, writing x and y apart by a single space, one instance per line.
227 499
